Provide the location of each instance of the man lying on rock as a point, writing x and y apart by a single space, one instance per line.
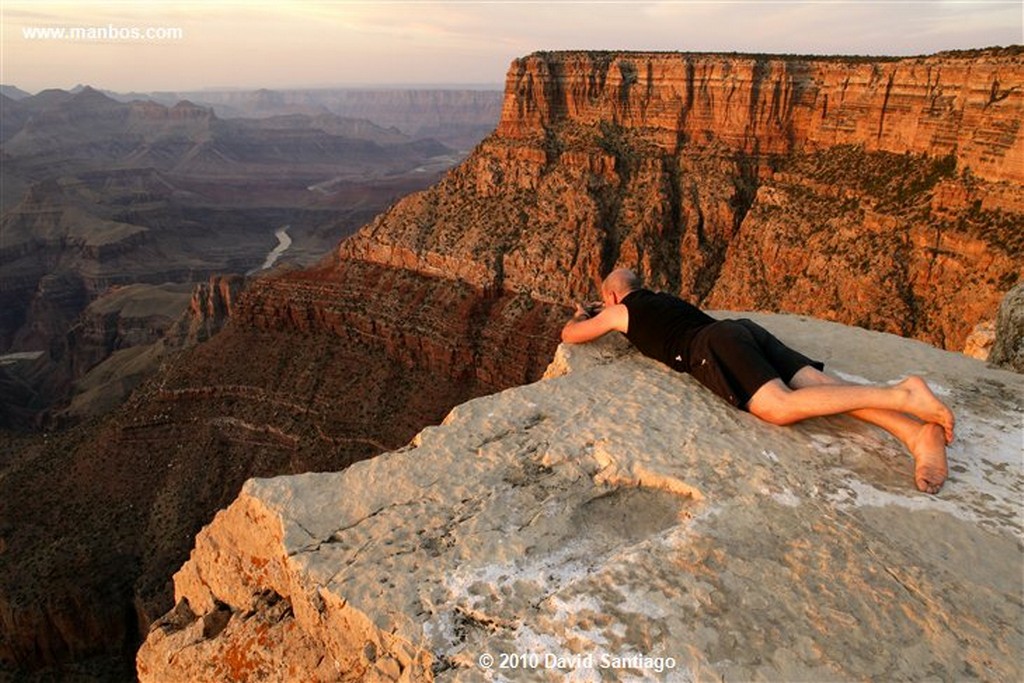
748 367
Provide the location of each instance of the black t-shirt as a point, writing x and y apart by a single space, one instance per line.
661 326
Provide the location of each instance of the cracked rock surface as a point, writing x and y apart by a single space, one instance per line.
615 521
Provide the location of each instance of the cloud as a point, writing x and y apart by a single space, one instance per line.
334 42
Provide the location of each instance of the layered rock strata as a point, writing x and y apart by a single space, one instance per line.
883 193
316 370
616 520
116 343
134 315
211 306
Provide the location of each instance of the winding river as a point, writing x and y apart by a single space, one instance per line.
284 242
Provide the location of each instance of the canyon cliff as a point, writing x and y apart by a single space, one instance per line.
577 528
315 370
883 193
887 194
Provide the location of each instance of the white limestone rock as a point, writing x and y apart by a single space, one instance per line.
615 521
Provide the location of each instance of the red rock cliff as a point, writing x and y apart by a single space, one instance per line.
967 104
882 193
315 370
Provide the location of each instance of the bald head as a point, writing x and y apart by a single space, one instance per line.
620 282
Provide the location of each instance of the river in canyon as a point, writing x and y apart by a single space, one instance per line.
284 242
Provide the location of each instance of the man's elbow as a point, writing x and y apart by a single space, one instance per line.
571 335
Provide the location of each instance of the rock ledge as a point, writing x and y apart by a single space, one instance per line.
615 520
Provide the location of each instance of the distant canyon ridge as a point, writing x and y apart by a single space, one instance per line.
150 192
887 193
457 117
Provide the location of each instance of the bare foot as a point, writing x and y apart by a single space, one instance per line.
922 403
928 446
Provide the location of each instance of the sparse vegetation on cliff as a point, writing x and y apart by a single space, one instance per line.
894 182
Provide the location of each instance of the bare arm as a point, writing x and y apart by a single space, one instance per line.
583 328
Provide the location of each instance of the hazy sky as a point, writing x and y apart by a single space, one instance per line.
296 44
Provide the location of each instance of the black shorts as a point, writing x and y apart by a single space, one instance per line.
735 358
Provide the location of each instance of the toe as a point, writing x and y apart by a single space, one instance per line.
928 482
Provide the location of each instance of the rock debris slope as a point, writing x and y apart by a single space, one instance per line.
617 510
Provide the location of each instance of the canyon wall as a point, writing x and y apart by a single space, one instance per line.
314 370
882 193
958 102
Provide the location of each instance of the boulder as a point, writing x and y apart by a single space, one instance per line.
1008 348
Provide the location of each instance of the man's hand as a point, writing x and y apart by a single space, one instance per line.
592 320
587 310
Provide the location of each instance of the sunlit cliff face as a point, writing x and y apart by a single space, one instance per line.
881 193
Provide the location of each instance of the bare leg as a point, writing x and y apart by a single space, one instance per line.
924 440
779 404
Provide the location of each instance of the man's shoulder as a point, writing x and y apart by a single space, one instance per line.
650 295
638 294
617 317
